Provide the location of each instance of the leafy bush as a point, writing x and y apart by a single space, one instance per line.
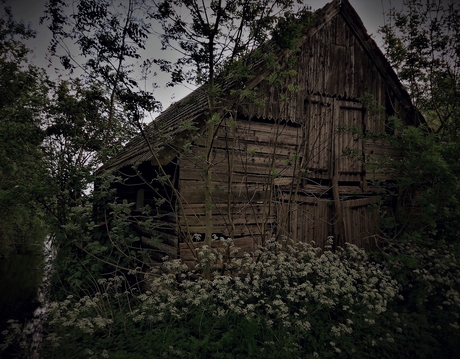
429 276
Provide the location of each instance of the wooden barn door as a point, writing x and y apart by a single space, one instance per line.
348 140
334 157
310 219
361 221
318 133
333 137
346 164
304 219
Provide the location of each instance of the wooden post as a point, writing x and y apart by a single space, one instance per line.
339 227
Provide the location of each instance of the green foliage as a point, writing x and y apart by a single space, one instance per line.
286 300
75 128
99 238
110 36
426 185
288 30
422 43
23 177
224 42
425 189
428 272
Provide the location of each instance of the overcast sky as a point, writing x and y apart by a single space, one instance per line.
370 11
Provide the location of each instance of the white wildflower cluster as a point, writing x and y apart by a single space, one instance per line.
282 284
10 335
219 256
83 316
86 314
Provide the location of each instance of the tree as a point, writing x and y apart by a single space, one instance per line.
422 44
74 143
92 115
111 37
23 97
23 176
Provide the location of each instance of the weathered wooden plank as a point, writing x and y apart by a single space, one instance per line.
279 135
242 214
241 230
222 223
222 159
258 132
379 157
163 248
260 166
319 133
379 148
193 192
306 219
221 177
361 219
237 208
242 146
360 202
349 135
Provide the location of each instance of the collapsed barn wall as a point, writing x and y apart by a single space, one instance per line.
149 190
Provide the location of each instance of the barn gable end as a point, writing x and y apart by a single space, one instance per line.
296 166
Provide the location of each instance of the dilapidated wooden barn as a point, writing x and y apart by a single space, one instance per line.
295 162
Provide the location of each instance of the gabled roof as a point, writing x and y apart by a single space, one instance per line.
168 126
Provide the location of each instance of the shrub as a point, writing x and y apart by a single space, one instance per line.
429 275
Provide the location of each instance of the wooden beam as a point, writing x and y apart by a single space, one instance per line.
339 227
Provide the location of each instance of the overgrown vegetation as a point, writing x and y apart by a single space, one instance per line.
288 299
